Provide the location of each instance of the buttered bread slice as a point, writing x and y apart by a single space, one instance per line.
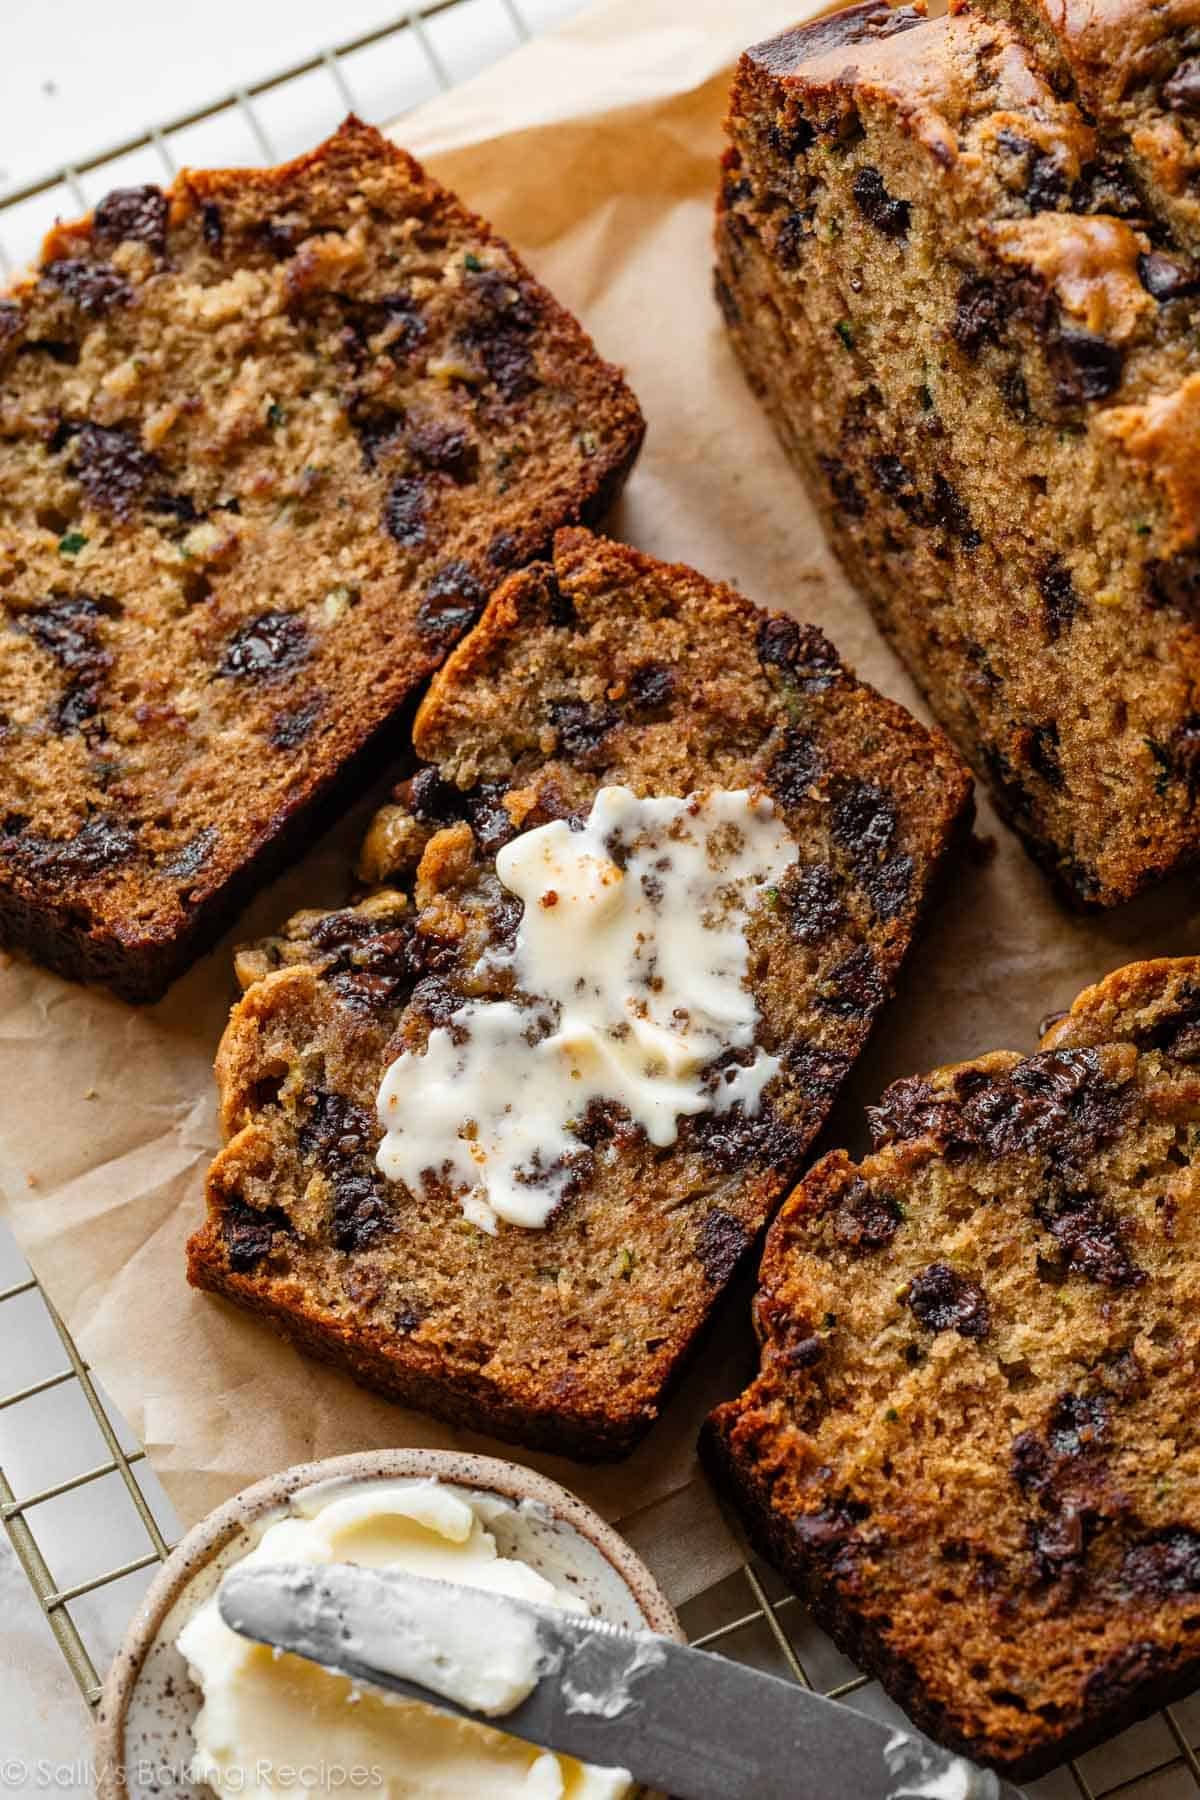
500 1134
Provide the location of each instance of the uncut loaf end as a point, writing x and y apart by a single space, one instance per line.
981 349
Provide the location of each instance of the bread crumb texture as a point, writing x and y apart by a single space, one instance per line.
267 441
602 668
960 301
973 1440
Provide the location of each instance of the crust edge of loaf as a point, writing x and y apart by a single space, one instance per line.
139 966
1129 1696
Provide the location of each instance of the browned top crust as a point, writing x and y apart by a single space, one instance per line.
1135 68
267 441
869 22
604 667
973 1441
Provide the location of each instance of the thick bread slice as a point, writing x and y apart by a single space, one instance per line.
267 442
603 668
973 1444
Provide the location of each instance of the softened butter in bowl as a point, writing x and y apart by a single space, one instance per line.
264 1713
191 1709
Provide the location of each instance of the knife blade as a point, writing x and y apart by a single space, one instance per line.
687 1722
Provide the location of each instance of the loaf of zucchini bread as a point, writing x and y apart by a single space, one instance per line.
973 1445
982 350
267 441
495 1143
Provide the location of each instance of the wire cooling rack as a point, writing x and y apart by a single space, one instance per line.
85 1515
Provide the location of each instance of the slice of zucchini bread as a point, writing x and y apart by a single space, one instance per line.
988 369
267 441
554 1303
1135 69
973 1444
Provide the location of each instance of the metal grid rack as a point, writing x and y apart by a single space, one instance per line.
748 1616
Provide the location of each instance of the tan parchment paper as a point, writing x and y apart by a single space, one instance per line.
595 150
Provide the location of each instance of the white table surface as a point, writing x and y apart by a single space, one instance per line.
77 78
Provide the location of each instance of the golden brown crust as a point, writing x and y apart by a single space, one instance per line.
972 1442
268 441
1132 66
604 667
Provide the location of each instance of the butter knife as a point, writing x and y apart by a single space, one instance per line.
687 1722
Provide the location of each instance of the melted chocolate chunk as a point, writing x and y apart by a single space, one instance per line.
452 601
1087 367
267 647
405 508
950 511
795 769
889 886
1059 1542
212 226
651 687
1182 91
806 1353
1090 1239
111 467
863 820
102 843
499 332
333 1129
817 1074
735 1139
802 651
92 286
1056 1103
445 449
249 1231
1164 1565
865 1219
1076 1423
1058 594
910 1109
432 800
830 1538
845 489
138 213
880 209
943 1300
1109 1687
721 1243
435 1000
791 139
489 817
1177 1030
1167 277
1044 753
191 858
794 232
980 314
582 729
856 987
362 1210
290 729
812 902
12 321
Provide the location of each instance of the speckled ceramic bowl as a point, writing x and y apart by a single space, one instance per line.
144 1728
